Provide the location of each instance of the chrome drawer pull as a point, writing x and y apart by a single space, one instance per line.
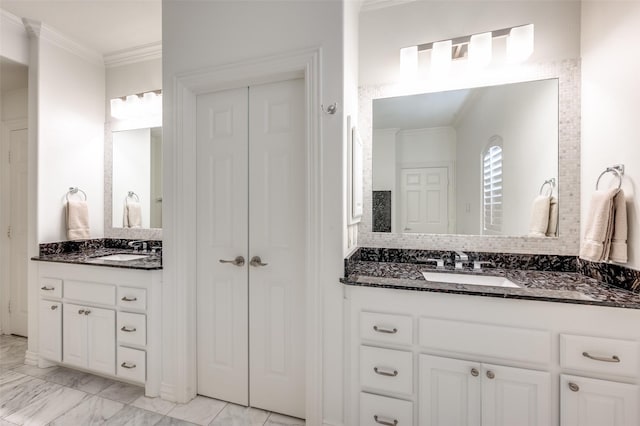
601 358
127 299
574 387
80 311
87 312
127 365
385 330
47 288
383 421
54 307
491 374
475 372
128 330
385 373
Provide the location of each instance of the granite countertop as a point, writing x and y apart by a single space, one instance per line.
549 286
153 261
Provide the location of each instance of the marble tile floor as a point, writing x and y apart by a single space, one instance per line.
59 396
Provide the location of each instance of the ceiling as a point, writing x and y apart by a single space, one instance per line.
12 75
105 26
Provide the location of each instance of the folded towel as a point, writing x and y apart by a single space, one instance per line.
77 213
618 252
552 228
132 214
539 216
599 226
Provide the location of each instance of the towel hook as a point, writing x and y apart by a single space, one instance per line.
552 184
617 169
331 109
74 190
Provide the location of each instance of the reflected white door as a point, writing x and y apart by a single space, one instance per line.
222 208
424 200
277 235
18 222
251 180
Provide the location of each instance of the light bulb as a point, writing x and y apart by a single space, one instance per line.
520 43
408 63
480 50
441 56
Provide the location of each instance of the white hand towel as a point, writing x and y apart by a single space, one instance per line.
618 251
539 216
77 220
599 226
133 216
552 227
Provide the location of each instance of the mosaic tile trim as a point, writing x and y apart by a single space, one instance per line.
611 273
568 74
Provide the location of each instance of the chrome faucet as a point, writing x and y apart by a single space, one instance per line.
137 244
460 257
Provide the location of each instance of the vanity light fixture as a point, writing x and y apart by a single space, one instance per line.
138 106
477 48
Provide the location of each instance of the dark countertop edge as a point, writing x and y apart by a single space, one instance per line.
119 265
347 281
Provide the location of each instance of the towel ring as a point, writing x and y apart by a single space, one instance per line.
133 195
613 169
74 190
551 182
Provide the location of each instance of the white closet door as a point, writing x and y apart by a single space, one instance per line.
222 332
277 224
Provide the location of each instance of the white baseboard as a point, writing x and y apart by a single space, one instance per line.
31 358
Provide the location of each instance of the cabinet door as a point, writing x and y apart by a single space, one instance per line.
515 396
74 335
449 392
50 334
590 402
101 324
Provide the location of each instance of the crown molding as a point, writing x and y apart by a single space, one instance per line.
9 18
369 5
132 55
44 32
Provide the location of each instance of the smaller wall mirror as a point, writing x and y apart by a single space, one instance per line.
137 178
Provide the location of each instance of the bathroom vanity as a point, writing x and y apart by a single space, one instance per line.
558 349
99 311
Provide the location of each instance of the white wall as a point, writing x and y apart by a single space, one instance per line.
384 31
610 111
199 35
525 116
70 134
14 42
14 104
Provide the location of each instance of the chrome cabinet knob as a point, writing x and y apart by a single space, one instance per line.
491 374
574 387
54 307
238 261
256 261
475 372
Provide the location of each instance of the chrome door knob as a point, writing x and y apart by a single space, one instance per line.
238 261
256 261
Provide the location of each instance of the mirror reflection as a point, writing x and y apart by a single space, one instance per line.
479 161
137 178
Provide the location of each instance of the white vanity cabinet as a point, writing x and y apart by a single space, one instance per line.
101 319
485 361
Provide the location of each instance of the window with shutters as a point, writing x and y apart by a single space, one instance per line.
492 186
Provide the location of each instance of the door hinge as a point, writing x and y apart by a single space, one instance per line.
9 232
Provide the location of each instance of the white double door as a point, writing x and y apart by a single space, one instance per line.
251 203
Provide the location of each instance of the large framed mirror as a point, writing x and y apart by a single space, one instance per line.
133 182
473 161
465 226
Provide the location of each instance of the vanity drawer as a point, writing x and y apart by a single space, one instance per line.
386 369
132 364
51 287
599 355
486 340
381 410
86 292
386 328
132 328
132 298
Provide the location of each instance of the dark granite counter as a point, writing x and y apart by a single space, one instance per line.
545 285
86 253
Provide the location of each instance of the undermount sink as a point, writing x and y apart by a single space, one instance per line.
122 257
468 279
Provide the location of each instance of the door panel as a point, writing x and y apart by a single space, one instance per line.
222 208
277 235
424 200
18 222
50 335
74 335
101 324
